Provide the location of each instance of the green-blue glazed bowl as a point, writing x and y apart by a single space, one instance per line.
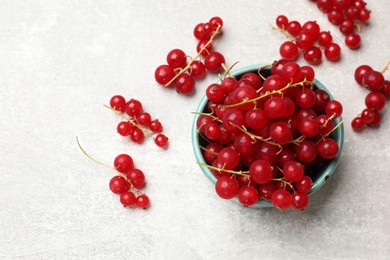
319 174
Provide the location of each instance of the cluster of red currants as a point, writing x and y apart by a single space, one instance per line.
347 15
309 39
139 123
375 100
180 74
262 132
128 181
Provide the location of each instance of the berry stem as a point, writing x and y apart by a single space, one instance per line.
207 150
269 93
243 173
334 128
197 56
207 114
284 181
386 67
260 69
90 157
287 35
227 70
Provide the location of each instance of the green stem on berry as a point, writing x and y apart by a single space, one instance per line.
207 114
90 157
197 56
243 173
269 93
284 181
227 70
386 67
131 121
260 69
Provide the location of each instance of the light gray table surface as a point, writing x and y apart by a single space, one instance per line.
60 61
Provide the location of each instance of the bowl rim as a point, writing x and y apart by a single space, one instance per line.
262 203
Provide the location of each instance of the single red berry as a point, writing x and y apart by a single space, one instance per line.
289 51
377 120
308 127
312 28
125 128
185 84
210 154
373 80
137 135
136 177
227 187
375 101
305 40
281 21
291 72
336 17
127 199
118 103
347 26
281 199
313 55
274 107
215 22
133 108
176 58
199 32
255 118
248 196
352 13
328 148
364 15
334 108
326 125
304 184
119 185
164 74
357 124
368 115
308 73
386 88
260 171
197 69
325 38
144 119
322 98
294 28
280 132
353 40
306 151
155 126
123 163
299 200
161 140
204 47
266 190
228 157
215 93
214 61
332 52
293 171
325 5
142 201
341 4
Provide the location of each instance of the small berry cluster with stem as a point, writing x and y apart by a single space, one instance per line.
262 132
127 182
179 73
137 124
375 101
348 15
308 39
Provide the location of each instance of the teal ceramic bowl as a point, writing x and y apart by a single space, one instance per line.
319 174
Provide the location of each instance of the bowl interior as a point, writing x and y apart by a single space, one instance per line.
319 174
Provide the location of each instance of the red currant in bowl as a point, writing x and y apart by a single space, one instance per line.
256 159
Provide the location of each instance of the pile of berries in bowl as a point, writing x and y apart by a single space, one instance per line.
268 135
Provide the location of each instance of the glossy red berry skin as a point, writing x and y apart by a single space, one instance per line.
377 120
293 171
176 58
332 52
304 185
118 103
313 55
228 157
281 199
248 196
375 101
368 115
306 151
260 171
161 141
215 93
199 32
127 199
335 17
325 38
214 61
327 148
325 5
164 74
334 108
144 119
386 88
357 124
123 163
119 185
142 201
280 132
360 72
137 135
202 49
125 128
373 80
185 84
197 70
133 108
155 126
215 22
289 50
353 41
136 177
346 27
299 200
294 28
227 187
281 21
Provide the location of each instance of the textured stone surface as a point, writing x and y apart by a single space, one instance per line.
61 60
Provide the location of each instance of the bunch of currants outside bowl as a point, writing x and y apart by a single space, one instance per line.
268 135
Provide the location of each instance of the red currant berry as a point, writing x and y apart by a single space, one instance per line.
294 28
125 128
266 190
202 49
185 84
386 88
335 17
281 21
274 107
164 74
341 4
325 5
334 108
326 125
299 200
215 22
233 117
322 98
289 51
127 199
280 132
360 72
373 80
308 127
352 13
136 177
176 58
197 69
313 55
305 41
291 72
285 156
305 98
214 61
248 196
210 154
368 115
306 151
213 132
347 26
312 28
155 126
293 171
325 38
308 73
255 118
375 101
144 119
376 121
118 103
332 52
304 184
123 163
119 185
260 171
364 15
253 79
142 201
199 32
161 140
137 135
228 157
227 187
357 124
353 40
229 84
133 108
328 148
215 93
281 199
